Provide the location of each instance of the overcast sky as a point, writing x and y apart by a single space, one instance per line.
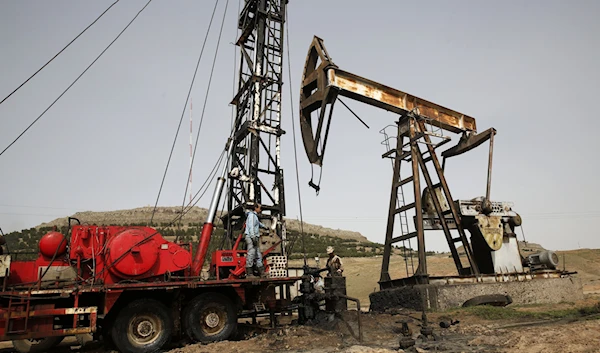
527 68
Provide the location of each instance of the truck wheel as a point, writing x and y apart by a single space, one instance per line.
143 326
40 345
210 317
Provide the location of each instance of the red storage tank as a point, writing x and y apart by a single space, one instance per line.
53 243
137 262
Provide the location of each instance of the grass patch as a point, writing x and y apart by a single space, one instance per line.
488 312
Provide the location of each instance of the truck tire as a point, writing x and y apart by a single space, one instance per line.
40 345
210 317
143 326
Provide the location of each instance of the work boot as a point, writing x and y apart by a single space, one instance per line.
250 272
261 272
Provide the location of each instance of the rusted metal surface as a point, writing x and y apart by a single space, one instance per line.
413 131
490 228
388 98
489 175
315 95
435 198
473 269
41 320
436 203
50 333
164 285
48 312
323 81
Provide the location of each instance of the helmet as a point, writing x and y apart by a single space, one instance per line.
329 249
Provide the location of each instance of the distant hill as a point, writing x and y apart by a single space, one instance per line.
196 216
317 238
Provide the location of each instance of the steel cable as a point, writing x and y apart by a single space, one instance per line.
77 79
183 112
205 100
177 218
287 37
57 54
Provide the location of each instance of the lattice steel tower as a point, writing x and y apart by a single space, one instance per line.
255 161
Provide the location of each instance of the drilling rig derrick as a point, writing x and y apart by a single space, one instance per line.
255 173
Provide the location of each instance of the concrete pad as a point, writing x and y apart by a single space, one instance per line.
437 297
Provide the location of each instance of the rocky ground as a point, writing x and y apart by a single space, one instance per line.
382 333
563 327
528 329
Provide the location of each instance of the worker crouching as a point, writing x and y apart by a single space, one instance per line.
252 234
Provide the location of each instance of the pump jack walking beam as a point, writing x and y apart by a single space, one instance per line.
323 82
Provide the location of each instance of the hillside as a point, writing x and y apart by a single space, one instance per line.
362 258
196 216
317 238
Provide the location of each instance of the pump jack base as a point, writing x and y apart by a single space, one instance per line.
452 292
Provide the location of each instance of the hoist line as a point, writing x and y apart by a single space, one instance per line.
302 235
183 112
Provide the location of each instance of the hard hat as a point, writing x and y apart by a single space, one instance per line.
329 249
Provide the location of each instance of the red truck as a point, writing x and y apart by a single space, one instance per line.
132 287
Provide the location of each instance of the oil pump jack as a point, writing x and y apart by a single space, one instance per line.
421 130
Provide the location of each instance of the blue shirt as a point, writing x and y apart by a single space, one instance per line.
252 225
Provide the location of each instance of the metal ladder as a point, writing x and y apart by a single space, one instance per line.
425 130
403 217
413 132
13 306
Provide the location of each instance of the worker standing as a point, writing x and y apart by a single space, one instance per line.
334 263
252 233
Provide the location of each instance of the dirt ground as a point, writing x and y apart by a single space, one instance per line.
381 333
475 331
